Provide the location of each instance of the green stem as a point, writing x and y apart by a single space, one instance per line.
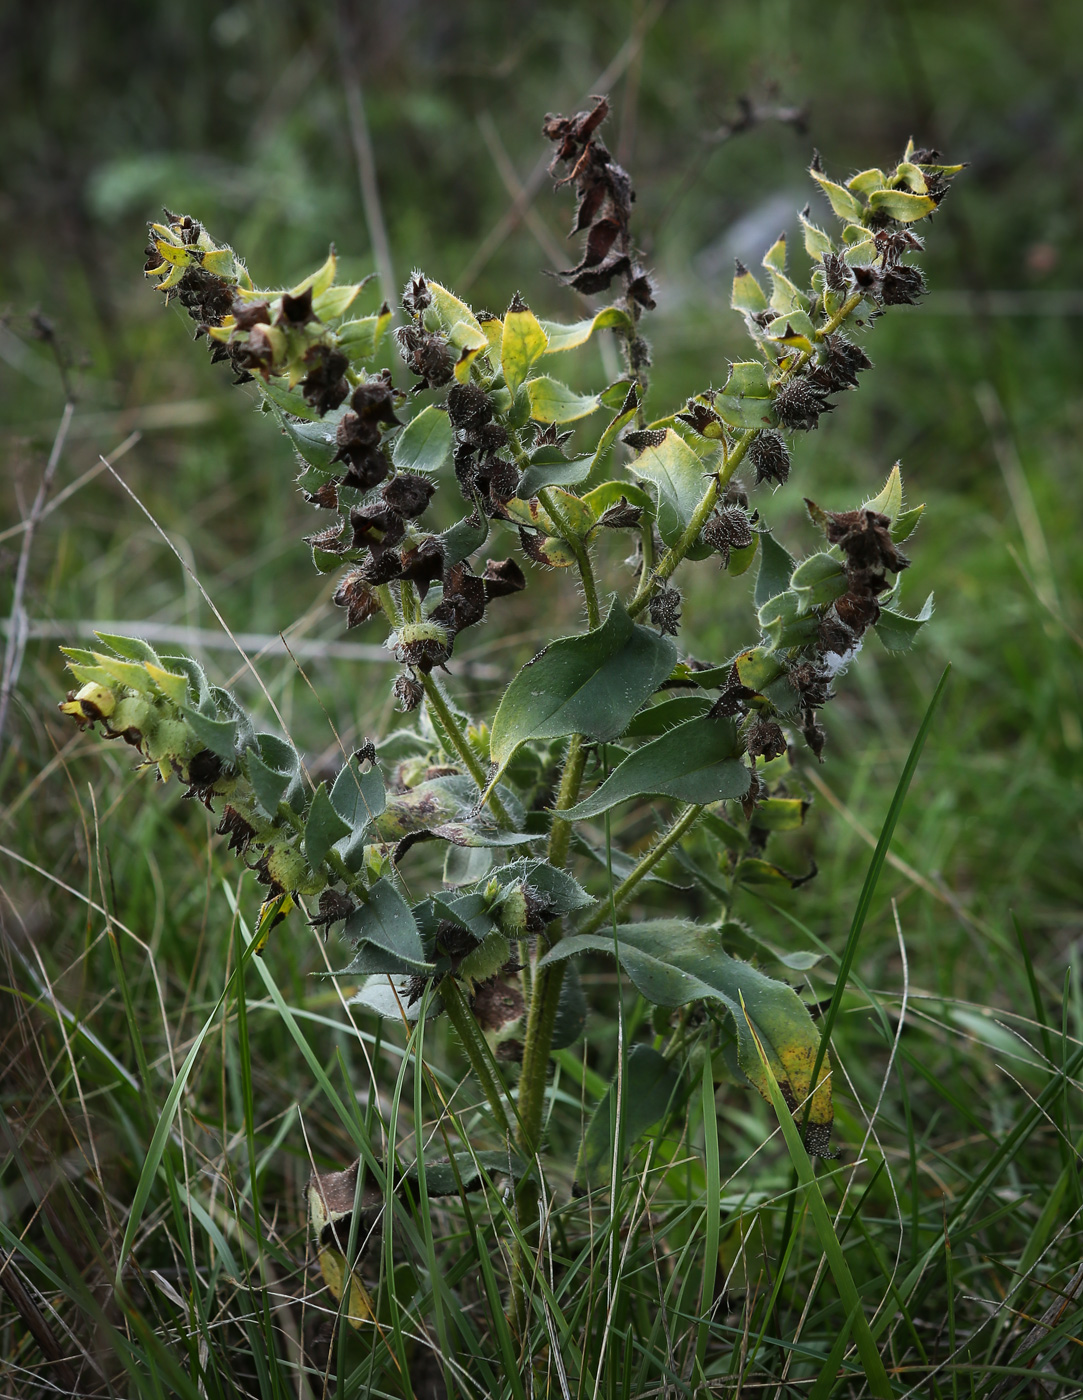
684 823
568 794
578 548
545 993
461 744
466 1027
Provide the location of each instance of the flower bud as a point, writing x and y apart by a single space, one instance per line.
420 644
91 703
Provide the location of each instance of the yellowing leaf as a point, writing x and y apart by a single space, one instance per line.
553 402
319 280
523 343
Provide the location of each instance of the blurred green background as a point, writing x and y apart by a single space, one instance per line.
237 114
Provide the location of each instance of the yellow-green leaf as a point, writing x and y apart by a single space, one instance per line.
522 344
319 280
335 301
775 257
905 208
562 337
866 181
450 310
889 500
845 205
553 402
747 294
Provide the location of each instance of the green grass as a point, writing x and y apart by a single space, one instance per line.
167 1092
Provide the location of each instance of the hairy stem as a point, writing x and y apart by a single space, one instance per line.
579 549
466 1027
461 744
567 795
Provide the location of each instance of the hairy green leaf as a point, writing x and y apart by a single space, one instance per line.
697 761
424 445
672 962
590 685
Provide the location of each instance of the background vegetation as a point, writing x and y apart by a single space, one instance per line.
240 115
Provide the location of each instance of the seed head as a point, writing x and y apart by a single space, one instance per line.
770 456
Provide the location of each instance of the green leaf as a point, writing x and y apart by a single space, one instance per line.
562 337
314 443
775 257
898 205
335 301
758 668
817 242
794 329
218 735
745 401
889 501
129 673
748 379
609 493
577 514
320 280
867 181
785 295
464 538
522 344
172 685
360 339
627 412
741 560
424 445
592 685
906 522
476 834
784 622
268 783
386 922
656 719
425 806
673 962
698 761
754 871
845 205
897 631
289 401
323 828
650 1092
358 797
448 310
441 1179
133 648
776 570
553 402
747 294
677 474
554 474
564 893
818 580
909 176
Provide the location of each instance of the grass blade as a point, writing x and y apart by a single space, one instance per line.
879 1385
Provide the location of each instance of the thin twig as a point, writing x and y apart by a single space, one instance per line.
16 643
